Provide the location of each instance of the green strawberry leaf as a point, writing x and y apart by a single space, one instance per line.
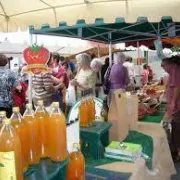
35 47
1 165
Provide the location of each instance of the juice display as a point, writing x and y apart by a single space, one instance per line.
57 134
83 112
32 126
76 166
42 119
22 130
10 153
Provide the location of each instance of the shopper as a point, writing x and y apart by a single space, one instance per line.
131 69
145 75
150 76
86 77
8 81
172 67
119 77
96 65
104 69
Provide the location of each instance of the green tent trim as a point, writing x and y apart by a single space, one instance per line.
115 32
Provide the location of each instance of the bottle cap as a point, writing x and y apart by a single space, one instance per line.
29 106
56 104
6 121
76 145
16 109
2 113
40 103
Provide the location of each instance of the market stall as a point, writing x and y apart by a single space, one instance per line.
116 26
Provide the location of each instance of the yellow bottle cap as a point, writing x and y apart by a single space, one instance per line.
76 145
29 106
40 103
6 121
56 104
2 113
16 109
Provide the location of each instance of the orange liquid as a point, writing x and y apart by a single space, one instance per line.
22 131
84 117
76 167
93 110
42 122
57 137
9 141
35 148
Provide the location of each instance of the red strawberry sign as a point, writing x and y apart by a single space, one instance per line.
36 58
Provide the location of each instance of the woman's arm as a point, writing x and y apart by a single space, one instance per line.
83 87
58 80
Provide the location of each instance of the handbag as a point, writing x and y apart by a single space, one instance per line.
106 84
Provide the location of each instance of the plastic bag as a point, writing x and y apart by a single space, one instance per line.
70 95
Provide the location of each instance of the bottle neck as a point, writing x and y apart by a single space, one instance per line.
6 128
56 110
75 149
16 116
29 112
40 109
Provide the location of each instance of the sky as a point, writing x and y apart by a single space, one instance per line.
25 37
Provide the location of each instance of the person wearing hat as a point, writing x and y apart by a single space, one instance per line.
8 81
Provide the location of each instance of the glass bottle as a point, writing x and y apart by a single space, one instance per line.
57 134
83 112
10 153
32 126
76 166
41 116
22 130
93 109
104 111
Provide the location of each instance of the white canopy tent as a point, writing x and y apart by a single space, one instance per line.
23 13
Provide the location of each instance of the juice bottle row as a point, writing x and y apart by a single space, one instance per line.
24 140
87 109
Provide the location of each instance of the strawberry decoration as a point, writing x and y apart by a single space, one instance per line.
36 58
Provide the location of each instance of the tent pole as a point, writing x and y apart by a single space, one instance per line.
138 53
110 49
30 77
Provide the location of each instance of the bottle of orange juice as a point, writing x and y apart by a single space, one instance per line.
83 112
93 109
89 107
57 134
76 166
22 130
42 119
32 125
10 153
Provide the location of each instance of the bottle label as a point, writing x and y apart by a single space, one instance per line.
7 166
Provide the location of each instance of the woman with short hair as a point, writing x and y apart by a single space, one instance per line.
119 77
86 77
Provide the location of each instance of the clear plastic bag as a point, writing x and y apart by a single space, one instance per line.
70 95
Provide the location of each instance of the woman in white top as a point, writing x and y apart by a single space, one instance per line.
86 77
131 70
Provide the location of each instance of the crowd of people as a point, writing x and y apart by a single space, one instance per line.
87 73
